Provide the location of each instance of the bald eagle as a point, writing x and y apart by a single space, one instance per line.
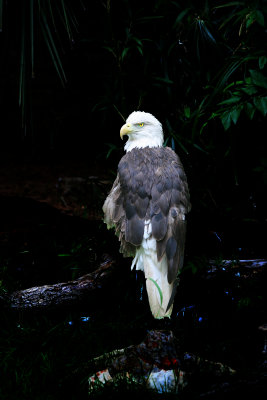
147 206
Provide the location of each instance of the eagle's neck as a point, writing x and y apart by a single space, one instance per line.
141 141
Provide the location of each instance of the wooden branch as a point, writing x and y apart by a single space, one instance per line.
72 292
60 294
254 263
246 267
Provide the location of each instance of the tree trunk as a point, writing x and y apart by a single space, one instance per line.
60 294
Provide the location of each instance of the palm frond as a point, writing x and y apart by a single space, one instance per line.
50 42
65 20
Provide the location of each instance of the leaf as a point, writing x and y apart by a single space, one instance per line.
226 20
226 120
259 17
118 111
200 148
166 141
124 52
232 100
228 72
250 90
262 61
159 290
66 21
53 49
180 17
187 112
232 3
181 145
233 84
164 80
250 19
206 32
202 127
250 110
248 80
261 104
235 113
138 41
111 148
110 50
258 78
140 49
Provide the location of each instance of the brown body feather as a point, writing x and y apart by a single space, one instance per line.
150 185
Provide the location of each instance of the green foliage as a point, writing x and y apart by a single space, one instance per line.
192 64
199 67
39 25
242 80
247 95
159 289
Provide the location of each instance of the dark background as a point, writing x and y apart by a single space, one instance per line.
70 73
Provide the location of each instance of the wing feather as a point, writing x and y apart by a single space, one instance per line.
151 185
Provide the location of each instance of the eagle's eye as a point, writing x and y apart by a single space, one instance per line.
141 125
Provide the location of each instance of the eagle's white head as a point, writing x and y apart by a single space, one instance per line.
143 130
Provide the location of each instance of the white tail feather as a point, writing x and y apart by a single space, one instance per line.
158 289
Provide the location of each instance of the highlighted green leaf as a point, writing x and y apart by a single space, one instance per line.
124 52
258 78
180 17
230 4
202 127
250 19
261 104
159 290
262 61
250 90
164 80
232 100
226 120
66 21
250 110
235 113
259 17
53 49
187 112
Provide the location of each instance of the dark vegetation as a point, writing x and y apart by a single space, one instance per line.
71 72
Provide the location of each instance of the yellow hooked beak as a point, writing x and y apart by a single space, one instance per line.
126 129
